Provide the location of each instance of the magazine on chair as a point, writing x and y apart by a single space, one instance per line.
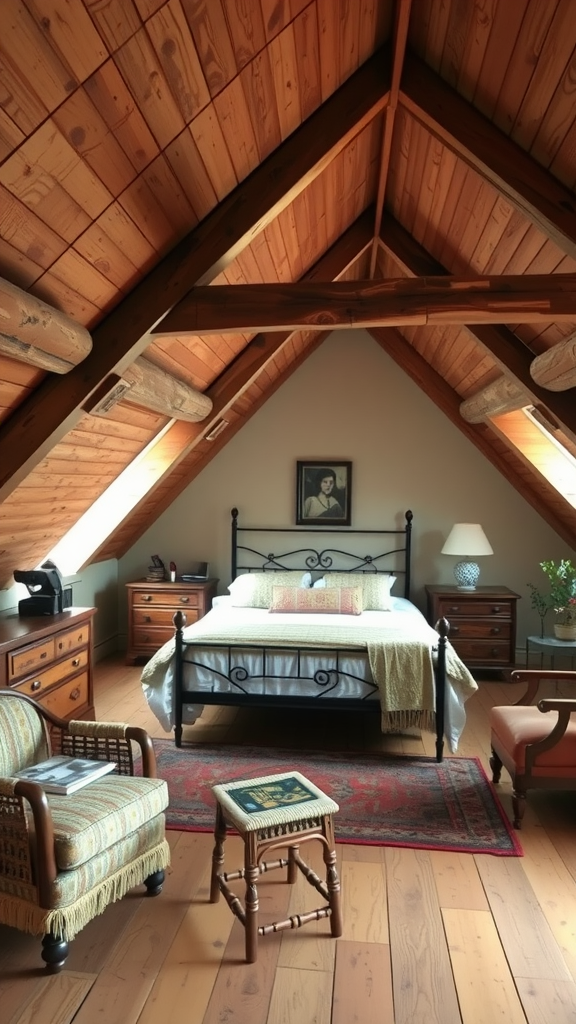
64 775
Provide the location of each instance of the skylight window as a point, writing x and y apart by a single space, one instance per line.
538 441
108 511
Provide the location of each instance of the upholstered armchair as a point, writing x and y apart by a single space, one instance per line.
63 859
537 748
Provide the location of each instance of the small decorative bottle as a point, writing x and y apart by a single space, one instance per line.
172 572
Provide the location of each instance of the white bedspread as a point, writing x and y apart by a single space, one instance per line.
399 645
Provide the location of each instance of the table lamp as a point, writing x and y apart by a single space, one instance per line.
468 541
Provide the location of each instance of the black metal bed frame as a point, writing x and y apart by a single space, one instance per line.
247 558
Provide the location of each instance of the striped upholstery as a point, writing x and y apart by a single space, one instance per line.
101 814
23 739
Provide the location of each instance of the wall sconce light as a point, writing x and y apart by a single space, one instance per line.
216 429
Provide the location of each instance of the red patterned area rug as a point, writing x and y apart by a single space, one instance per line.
383 800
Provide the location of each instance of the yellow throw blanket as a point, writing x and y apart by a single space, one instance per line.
401 658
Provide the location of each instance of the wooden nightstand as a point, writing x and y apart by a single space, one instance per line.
482 623
151 607
50 658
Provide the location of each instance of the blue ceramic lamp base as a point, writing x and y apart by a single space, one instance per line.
467 575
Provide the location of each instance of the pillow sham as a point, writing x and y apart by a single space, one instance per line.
254 589
336 600
375 587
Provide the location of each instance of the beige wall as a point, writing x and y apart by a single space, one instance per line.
350 401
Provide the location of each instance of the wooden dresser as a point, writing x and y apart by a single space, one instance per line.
151 607
50 658
482 623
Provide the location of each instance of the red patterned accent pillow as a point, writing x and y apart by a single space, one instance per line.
335 600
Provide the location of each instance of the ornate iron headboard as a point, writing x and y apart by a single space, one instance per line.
329 558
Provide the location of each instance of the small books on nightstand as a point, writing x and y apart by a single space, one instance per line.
65 775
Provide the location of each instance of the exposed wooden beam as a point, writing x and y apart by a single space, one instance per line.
555 369
53 409
500 396
448 400
236 379
35 333
510 354
537 298
400 35
529 186
144 383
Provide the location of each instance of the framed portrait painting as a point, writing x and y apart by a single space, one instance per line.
323 493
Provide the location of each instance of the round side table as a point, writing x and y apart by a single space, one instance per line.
549 645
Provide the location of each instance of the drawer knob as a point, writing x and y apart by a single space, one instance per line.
75 662
495 630
455 609
184 600
496 609
36 685
495 652
147 618
454 629
75 694
44 655
146 597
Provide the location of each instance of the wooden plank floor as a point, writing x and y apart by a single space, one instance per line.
429 937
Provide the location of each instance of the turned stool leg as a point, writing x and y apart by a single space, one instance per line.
292 866
251 905
332 879
217 854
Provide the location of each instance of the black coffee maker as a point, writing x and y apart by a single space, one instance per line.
45 587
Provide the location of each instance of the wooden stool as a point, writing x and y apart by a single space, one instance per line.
275 811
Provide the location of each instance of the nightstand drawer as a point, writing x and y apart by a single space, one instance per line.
482 652
474 609
145 638
161 616
463 629
170 599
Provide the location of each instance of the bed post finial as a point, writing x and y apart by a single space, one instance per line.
409 516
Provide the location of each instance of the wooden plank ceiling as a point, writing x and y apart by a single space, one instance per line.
152 147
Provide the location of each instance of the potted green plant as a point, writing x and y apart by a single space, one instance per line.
561 597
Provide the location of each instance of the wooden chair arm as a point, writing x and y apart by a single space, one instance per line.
44 869
564 709
144 741
533 677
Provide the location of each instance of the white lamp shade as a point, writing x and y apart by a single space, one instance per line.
467 539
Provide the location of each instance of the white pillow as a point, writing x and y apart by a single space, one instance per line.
320 584
375 587
254 589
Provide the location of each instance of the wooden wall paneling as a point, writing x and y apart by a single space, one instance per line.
188 166
258 85
187 357
460 197
428 187
478 34
505 25
211 144
281 259
480 204
83 278
24 229
36 80
10 134
455 42
416 175
246 30
86 131
146 8
490 238
207 23
138 64
53 289
115 21
114 257
307 47
399 163
328 46
432 236
438 24
15 266
170 197
235 120
284 69
555 55
524 58
558 122
140 203
174 47
118 107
